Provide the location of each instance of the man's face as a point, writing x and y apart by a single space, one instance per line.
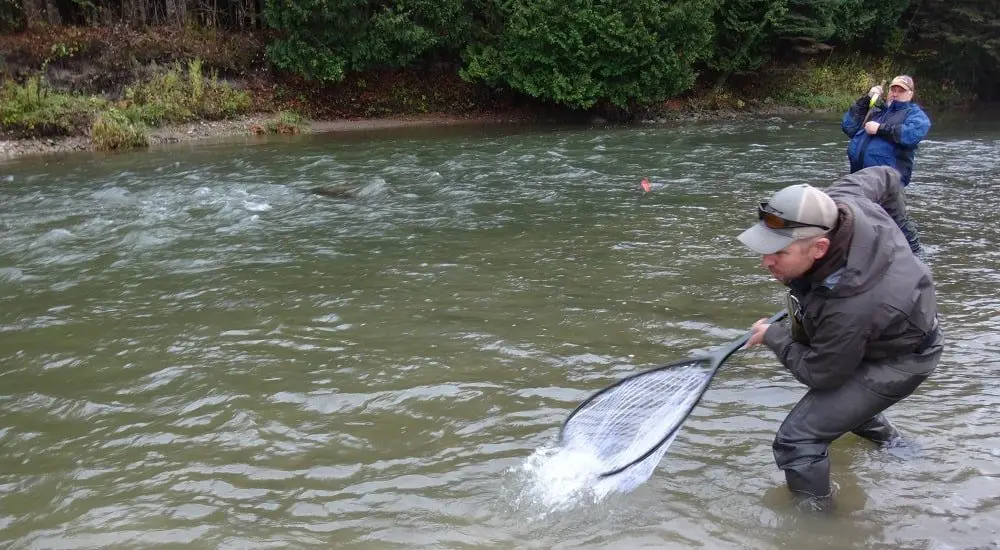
796 259
899 93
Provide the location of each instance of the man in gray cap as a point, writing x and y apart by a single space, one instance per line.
862 331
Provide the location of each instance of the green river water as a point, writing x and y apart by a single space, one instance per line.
196 352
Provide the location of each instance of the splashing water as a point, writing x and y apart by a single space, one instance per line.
557 479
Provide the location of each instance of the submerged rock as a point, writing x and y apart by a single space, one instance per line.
333 192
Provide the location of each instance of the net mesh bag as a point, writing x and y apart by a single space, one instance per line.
629 426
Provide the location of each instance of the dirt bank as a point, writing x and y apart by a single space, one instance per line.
243 126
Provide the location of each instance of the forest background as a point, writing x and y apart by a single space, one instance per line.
110 70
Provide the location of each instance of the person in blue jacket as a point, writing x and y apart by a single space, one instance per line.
890 133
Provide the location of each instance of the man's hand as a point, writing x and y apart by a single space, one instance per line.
757 332
871 127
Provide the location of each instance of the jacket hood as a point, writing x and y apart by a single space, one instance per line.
872 251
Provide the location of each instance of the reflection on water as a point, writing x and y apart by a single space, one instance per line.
197 349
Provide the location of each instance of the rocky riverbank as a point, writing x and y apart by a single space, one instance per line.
243 126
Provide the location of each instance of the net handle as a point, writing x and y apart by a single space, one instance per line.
731 348
717 358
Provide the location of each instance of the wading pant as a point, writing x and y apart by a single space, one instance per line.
908 227
821 416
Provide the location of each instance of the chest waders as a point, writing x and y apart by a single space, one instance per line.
802 443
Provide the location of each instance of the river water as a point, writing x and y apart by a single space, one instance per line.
194 350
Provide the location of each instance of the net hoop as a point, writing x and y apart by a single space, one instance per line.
712 361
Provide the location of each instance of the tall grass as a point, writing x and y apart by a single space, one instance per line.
113 129
834 84
177 95
31 109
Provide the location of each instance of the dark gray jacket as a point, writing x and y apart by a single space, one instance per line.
882 306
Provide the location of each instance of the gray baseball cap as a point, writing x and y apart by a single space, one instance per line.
796 212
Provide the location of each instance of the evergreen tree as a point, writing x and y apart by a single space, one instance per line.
581 52
323 39
808 24
744 32
959 40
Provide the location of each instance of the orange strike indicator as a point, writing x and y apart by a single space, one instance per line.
645 185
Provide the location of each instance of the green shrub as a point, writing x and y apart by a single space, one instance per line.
32 109
113 129
176 96
832 85
287 122
940 93
221 101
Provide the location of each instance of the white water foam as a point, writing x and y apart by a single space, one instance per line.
556 479
553 480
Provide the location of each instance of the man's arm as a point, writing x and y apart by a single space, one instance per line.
833 353
908 133
855 116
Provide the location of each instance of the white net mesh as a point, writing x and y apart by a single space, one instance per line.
630 419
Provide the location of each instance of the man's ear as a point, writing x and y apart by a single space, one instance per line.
820 247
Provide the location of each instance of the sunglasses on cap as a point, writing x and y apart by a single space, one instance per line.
774 221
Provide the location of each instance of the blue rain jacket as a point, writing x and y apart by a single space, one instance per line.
901 127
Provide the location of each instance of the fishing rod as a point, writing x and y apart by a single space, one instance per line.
871 103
